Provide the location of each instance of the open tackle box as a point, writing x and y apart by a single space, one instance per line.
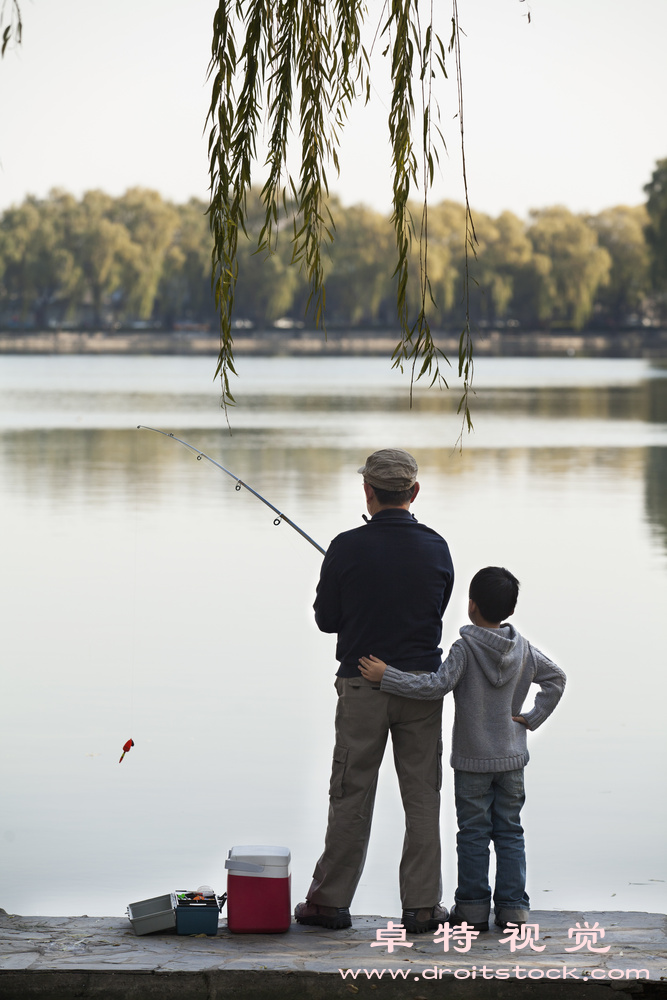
181 911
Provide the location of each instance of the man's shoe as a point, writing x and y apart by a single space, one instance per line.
336 918
425 919
455 920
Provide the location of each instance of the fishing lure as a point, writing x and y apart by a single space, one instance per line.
126 749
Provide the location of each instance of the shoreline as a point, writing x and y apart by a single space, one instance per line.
645 343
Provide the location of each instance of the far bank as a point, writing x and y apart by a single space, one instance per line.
650 343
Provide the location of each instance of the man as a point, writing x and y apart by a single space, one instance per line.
383 589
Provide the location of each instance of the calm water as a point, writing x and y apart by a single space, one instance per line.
143 596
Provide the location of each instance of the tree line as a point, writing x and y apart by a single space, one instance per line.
104 262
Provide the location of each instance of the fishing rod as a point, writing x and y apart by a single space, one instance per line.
239 484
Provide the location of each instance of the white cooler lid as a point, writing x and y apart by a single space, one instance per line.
261 854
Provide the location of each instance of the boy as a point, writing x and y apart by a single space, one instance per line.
490 668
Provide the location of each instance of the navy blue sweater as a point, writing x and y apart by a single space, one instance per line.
384 588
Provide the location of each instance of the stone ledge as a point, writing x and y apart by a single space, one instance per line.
101 958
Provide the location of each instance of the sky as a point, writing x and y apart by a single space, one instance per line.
567 109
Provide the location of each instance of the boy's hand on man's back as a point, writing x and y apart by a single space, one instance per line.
371 668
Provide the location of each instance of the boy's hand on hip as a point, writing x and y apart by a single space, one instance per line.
520 718
371 668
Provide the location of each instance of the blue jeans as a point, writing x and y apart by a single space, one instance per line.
488 808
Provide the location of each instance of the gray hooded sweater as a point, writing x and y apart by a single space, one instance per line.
490 672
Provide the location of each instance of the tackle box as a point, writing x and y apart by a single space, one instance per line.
258 890
197 913
155 914
184 912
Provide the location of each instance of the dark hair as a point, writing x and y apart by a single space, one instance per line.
391 498
495 591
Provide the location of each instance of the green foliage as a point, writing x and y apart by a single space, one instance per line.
305 60
656 230
358 266
151 224
287 44
577 265
266 284
35 262
11 25
184 291
103 249
101 255
620 230
102 260
504 249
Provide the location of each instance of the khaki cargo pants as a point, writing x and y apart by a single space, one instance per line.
365 716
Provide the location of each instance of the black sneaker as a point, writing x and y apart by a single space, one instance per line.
425 919
335 918
455 921
505 924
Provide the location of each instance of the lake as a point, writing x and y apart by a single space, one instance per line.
144 597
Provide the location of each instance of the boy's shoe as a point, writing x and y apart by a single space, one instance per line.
455 920
335 918
514 915
425 919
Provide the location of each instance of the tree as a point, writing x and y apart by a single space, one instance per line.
620 230
577 265
266 283
151 224
185 283
358 265
656 230
104 252
446 263
37 266
313 48
503 253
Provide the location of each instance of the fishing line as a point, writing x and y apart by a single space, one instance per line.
133 619
239 484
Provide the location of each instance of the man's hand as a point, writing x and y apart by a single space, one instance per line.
520 718
371 668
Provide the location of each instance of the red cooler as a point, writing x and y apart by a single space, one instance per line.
258 890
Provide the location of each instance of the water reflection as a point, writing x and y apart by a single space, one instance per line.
656 400
138 470
656 491
646 401
141 590
61 462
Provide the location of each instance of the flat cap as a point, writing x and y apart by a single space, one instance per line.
390 469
